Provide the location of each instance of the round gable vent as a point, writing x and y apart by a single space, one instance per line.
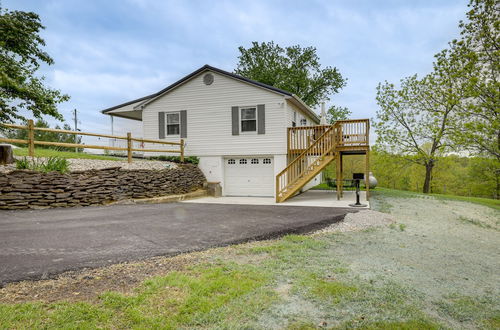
208 79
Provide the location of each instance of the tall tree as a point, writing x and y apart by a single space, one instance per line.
21 55
335 113
294 69
476 57
415 120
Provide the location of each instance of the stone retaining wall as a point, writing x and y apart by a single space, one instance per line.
23 189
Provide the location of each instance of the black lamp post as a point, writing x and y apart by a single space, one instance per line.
357 177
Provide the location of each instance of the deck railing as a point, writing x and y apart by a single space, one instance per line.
354 132
31 142
306 161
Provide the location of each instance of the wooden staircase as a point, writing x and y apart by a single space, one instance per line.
312 148
307 164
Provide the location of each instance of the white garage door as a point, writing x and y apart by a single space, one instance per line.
249 176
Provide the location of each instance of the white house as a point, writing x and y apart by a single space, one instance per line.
236 126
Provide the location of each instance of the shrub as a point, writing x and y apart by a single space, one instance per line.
56 164
50 164
177 159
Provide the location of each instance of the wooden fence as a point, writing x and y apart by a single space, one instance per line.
31 142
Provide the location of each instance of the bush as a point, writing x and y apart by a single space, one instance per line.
177 159
50 164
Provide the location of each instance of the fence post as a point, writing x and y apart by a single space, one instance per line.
129 147
31 138
182 150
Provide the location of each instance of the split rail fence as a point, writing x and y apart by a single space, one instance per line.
31 142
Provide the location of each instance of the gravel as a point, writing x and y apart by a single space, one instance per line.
95 164
359 221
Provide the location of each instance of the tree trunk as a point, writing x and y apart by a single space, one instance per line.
497 192
428 177
6 154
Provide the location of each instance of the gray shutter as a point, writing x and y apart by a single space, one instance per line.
183 124
235 120
161 125
261 118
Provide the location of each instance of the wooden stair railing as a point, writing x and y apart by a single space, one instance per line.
307 164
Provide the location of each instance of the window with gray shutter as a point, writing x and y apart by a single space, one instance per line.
261 117
248 119
161 125
183 124
235 120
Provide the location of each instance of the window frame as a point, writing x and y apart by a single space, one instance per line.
167 124
294 119
303 121
254 107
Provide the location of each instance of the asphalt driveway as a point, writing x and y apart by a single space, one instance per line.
41 243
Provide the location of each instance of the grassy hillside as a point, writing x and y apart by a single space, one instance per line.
493 203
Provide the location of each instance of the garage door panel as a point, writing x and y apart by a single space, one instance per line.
249 176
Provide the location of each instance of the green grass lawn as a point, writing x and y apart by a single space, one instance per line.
63 154
325 186
493 203
238 291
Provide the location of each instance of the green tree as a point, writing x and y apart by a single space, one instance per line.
476 59
21 55
294 69
414 120
335 113
22 134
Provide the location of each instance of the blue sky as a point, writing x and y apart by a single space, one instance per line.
109 52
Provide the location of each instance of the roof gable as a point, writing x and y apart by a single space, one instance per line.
140 103
206 67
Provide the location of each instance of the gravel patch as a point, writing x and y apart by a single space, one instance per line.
97 164
359 221
7 168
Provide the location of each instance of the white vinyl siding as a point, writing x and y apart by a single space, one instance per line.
209 124
299 115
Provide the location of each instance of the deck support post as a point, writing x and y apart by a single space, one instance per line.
337 173
341 175
367 174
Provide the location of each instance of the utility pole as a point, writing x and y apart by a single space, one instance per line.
75 119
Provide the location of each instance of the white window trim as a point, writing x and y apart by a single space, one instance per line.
294 119
166 123
256 120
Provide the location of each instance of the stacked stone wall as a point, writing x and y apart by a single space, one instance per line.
23 189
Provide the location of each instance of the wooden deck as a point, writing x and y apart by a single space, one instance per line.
352 135
311 148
